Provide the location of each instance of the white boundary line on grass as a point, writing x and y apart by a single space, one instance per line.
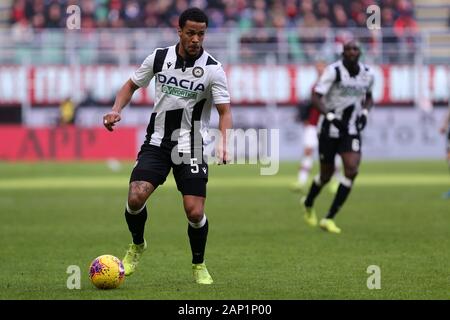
416 180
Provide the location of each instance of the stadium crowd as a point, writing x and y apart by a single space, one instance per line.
263 25
222 13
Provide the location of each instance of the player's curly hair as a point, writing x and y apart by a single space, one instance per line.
192 14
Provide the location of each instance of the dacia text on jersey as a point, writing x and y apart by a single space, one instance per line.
181 88
349 90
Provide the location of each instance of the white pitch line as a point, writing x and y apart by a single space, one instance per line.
215 182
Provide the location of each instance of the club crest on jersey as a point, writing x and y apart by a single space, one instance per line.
198 72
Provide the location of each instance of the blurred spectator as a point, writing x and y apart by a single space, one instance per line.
291 12
38 21
309 36
22 32
340 19
19 11
258 40
406 30
322 10
389 38
67 112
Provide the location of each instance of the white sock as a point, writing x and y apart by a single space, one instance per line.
317 180
337 168
198 225
346 182
135 211
305 169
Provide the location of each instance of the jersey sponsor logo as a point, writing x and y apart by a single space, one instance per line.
169 64
183 83
179 92
204 169
181 88
198 72
353 91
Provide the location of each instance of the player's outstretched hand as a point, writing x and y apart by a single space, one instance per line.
110 119
361 122
337 123
221 154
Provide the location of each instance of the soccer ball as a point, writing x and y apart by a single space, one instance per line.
106 272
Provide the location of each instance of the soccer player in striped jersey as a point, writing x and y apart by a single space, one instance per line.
188 80
344 97
309 116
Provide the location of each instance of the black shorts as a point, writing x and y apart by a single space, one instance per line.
329 147
154 163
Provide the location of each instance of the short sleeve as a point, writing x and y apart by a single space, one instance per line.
326 80
142 76
219 87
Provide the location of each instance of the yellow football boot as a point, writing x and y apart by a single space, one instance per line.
329 225
132 257
298 187
201 274
309 214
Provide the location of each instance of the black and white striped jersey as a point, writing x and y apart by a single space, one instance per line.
343 94
184 93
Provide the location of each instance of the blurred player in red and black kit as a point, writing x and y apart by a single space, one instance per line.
308 115
344 97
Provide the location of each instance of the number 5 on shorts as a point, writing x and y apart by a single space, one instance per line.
194 165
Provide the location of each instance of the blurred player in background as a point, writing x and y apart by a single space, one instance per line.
308 115
344 97
445 129
187 82
67 110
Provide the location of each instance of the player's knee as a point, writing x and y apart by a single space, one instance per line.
194 212
351 173
136 201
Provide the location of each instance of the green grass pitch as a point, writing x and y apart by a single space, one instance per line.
56 215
